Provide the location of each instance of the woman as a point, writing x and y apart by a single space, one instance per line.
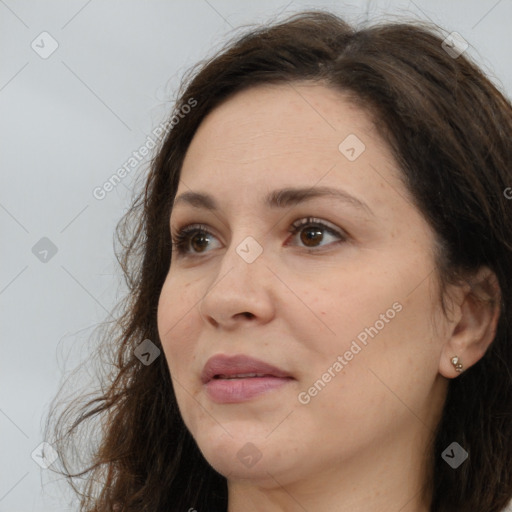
323 260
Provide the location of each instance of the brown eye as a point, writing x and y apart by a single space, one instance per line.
313 231
199 241
192 240
311 236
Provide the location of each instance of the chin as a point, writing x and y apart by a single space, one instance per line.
245 455
259 471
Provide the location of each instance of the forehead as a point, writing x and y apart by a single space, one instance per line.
295 116
277 136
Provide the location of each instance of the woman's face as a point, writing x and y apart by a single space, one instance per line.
340 306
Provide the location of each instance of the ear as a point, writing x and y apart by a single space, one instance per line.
474 323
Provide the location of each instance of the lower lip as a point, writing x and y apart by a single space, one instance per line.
230 391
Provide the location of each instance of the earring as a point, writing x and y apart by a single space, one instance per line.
458 366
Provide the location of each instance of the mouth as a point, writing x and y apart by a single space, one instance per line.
232 379
242 376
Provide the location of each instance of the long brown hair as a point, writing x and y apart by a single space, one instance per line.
450 131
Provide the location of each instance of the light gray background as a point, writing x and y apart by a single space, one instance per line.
67 123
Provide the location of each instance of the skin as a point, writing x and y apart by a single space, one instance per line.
359 443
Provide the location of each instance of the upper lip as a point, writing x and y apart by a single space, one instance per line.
230 366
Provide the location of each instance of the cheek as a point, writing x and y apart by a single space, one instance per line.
388 376
174 303
176 317
378 323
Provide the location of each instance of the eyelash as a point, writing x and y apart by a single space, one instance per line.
183 235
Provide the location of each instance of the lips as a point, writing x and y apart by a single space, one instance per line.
240 366
232 379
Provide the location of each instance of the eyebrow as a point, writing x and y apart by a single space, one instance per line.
282 198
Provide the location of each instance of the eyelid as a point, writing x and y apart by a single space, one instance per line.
304 221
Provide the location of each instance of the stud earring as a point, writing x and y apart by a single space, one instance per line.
458 366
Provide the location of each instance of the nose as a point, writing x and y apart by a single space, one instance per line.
241 292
